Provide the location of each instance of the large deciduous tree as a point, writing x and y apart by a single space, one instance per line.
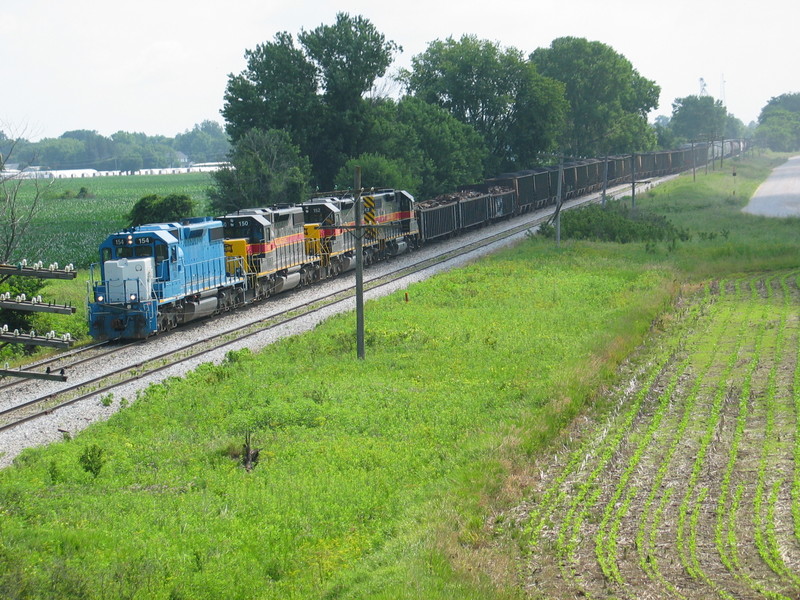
609 100
779 124
698 118
206 142
428 150
787 102
517 111
266 169
277 90
780 132
314 91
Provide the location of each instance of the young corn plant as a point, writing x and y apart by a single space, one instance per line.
690 498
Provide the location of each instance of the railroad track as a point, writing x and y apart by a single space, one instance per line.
100 385
67 360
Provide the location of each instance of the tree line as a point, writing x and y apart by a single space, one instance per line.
307 109
122 151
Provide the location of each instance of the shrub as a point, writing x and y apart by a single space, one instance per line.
92 460
617 222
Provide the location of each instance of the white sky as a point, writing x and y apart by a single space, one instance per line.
161 66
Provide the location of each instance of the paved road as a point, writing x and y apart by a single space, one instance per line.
779 195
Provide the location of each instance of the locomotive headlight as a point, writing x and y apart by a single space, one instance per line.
100 298
133 297
130 239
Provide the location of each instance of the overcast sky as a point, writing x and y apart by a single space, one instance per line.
161 66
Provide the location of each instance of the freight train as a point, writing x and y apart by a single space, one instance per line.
155 277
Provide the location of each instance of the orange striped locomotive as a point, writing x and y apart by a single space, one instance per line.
284 246
390 228
270 243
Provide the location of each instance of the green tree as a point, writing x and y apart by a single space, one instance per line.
665 138
155 209
517 111
350 55
784 102
698 117
277 90
734 127
315 91
377 172
61 153
266 169
780 132
439 151
779 124
609 100
451 153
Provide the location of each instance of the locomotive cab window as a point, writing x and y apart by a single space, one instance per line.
161 252
106 255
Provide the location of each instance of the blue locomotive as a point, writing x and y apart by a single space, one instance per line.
156 277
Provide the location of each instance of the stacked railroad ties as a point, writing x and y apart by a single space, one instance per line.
21 303
156 277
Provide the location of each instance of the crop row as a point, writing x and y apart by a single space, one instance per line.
699 471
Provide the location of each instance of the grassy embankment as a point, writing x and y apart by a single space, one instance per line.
378 478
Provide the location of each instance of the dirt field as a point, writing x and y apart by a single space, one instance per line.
691 489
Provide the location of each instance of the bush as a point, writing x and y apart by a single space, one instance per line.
92 460
155 209
617 222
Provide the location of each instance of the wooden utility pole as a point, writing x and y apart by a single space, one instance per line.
359 234
633 180
558 206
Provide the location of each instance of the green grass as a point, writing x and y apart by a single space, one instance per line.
723 239
381 478
351 452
